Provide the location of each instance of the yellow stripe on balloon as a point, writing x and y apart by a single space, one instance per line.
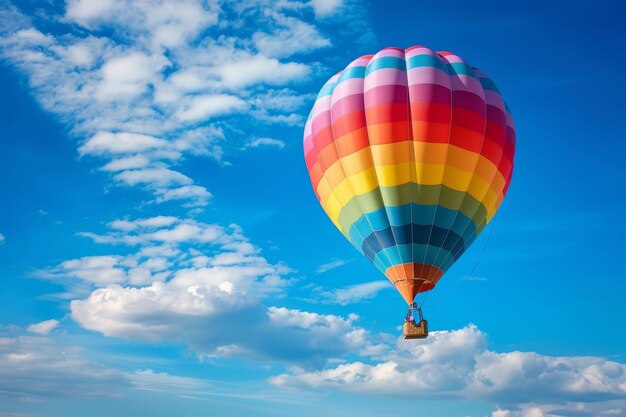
426 153
394 175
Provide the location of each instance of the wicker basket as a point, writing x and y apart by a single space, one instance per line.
411 330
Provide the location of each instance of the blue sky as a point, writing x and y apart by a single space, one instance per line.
161 248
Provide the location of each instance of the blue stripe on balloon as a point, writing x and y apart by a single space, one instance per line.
401 215
385 62
425 61
352 72
418 234
412 253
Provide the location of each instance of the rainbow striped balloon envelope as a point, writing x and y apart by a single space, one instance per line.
410 153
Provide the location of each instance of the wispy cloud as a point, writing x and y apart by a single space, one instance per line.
476 278
332 265
350 294
43 327
266 142
35 368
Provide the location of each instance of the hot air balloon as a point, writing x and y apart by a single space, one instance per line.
410 154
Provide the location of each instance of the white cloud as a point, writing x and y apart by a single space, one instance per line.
196 283
163 383
355 293
137 81
165 229
120 143
325 8
260 69
2 239
293 36
149 223
126 76
207 106
158 23
457 364
332 265
197 194
43 327
130 162
260 142
34 368
98 270
155 177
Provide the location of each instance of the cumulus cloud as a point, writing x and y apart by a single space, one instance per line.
43 327
202 284
2 239
458 364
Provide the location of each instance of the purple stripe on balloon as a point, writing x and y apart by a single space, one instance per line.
495 99
469 101
429 93
496 115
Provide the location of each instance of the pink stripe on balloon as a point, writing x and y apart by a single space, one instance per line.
348 88
386 95
394 52
308 138
321 121
466 83
346 105
428 75
429 93
420 50
494 99
509 120
321 105
360 62
451 58
385 76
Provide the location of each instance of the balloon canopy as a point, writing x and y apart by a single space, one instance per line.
410 154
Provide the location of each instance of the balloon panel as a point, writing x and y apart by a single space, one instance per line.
410 153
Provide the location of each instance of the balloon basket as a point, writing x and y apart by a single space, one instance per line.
411 330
